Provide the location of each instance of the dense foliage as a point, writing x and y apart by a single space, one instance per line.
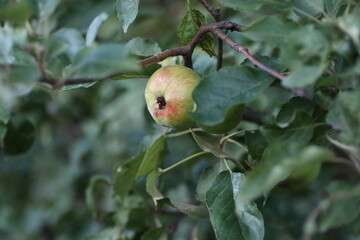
81 157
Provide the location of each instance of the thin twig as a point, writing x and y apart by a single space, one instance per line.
215 12
183 161
58 82
188 49
216 28
241 49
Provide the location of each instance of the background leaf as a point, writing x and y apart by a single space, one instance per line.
91 200
152 158
229 219
305 52
20 136
94 28
218 92
256 144
104 59
344 115
342 209
209 145
143 47
154 234
312 8
279 162
127 11
242 5
151 186
124 175
272 30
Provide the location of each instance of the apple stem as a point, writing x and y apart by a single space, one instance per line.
183 161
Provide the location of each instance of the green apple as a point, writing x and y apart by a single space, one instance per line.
232 119
168 96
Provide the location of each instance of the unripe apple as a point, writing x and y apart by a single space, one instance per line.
168 96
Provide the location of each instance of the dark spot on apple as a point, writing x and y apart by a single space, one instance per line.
161 101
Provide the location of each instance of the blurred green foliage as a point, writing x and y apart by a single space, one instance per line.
80 159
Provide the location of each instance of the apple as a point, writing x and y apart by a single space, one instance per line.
232 119
168 96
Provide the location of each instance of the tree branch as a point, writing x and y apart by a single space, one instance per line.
188 49
215 12
216 28
241 49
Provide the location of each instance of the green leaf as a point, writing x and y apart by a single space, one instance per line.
24 79
107 234
218 92
47 8
10 37
301 129
188 209
209 145
143 47
194 211
206 178
332 7
256 144
73 40
20 136
104 59
94 28
154 234
304 76
127 11
279 161
343 210
229 218
5 112
242 5
189 25
17 12
2 133
280 5
270 29
288 110
344 116
152 158
207 44
305 52
151 188
54 48
124 175
350 24
310 7
95 182
22 73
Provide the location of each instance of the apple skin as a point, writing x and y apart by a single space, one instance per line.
168 96
232 119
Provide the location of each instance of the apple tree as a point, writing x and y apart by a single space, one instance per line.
262 142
